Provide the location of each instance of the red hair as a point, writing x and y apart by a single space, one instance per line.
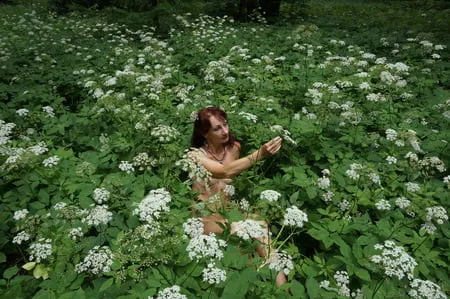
202 126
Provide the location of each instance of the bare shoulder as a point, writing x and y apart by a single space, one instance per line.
236 149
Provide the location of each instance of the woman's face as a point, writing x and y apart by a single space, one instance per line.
218 132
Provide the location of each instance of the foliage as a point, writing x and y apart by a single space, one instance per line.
95 117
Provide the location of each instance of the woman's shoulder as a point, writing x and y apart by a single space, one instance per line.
237 145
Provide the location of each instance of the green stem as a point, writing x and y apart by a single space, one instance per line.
378 287
424 240
285 240
195 267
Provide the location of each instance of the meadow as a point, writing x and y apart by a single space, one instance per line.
96 119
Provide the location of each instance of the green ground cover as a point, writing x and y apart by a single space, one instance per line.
95 120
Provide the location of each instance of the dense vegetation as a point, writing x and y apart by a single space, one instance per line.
95 120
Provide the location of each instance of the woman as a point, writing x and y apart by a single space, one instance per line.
219 154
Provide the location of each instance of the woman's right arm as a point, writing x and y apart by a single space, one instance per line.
235 167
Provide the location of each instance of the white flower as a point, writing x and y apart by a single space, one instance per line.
438 213
22 112
164 133
295 217
324 183
126 166
270 195
364 86
49 111
244 205
98 260
394 260
328 196
38 149
428 227
18 215
249 116
101 195
375 178
111 81
59 206
213 275
171 293
344 205
412 187
383 205
402 202
205 246
391 160
247 229
41 250
75 233
21 237
50 162
98 215
229 190
280 261
193 227
391 135
153 204
425 289
446 179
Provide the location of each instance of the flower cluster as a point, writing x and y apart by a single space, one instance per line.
205 246
98 215
41 250
126 166
18 215
171 293
76 233
143 162
402 202
153 204
437 213
248 116
280 261
50 162
425 289
193 227
342 281
412 187
324 182
248 228
270 195
285 134
213 275
98 260
395 261
383 205
101 195
164 133
295 217
190 162
23 236
354 171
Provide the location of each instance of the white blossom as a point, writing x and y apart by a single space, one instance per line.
98 215
205 246
21 237
270 195
151 207
437 213
164 133
18 215
295 217
193 227
22 112
280 261
41 250
425 289
213 275
101 195
98 260
391 160
402 202
76 233
412 187
249 228
171 293
383 205
126 166
394 260
50 162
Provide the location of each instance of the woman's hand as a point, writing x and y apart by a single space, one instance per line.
271 148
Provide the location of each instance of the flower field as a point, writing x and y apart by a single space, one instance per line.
95 122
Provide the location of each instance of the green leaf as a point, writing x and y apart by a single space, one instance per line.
10 272
106 284
2 257
313 288
362 273
29 266
297 289
237 285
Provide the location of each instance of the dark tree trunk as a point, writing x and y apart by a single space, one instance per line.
271 8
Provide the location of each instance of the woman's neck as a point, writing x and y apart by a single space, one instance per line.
215 148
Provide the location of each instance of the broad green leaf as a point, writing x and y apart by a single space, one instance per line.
10 272
362 273
106 284
312 286
2 257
